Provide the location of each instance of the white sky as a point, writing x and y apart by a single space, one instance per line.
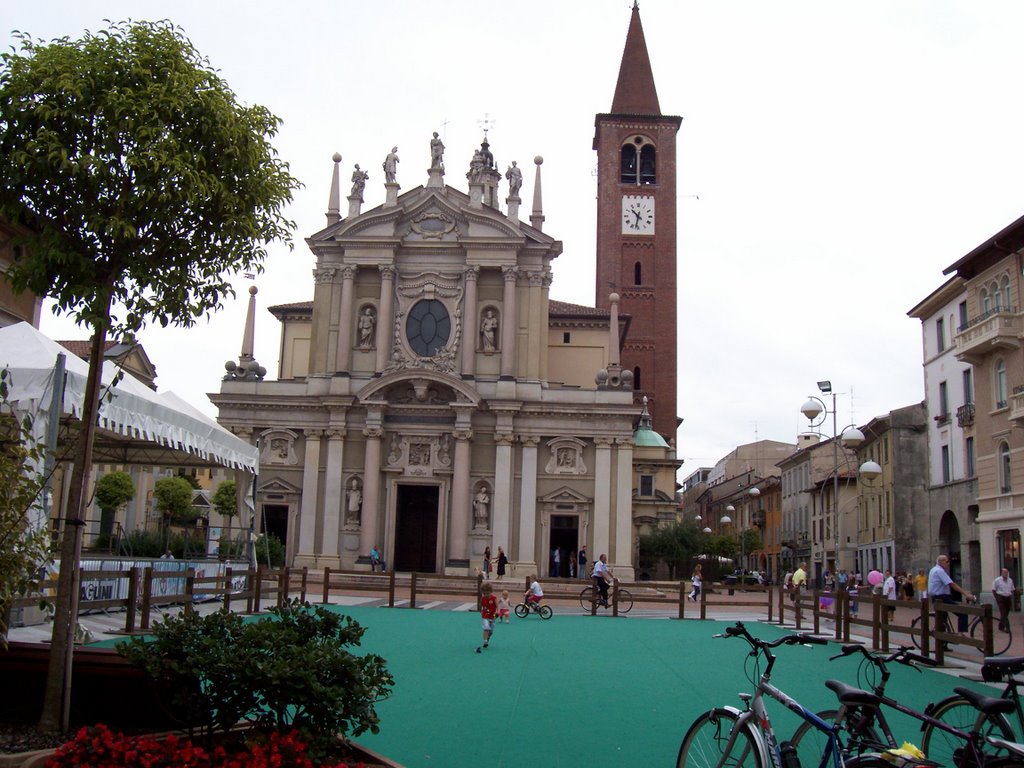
844 154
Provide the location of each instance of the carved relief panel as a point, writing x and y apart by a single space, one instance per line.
566 457
419 455
277 446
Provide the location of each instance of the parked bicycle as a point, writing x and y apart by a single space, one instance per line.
524 609
959 712
587 599
726 737
1000 640
975 744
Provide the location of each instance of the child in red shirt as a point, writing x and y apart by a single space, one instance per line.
488 610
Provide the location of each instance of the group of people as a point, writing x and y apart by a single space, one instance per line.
500 562
565 563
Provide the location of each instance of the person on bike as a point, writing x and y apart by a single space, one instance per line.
1002 591
941 587
602 578
533 596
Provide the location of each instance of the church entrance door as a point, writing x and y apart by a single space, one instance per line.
275 521
416 528
564 538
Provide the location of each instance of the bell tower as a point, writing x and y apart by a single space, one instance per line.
636 226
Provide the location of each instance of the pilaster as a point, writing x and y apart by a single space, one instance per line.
372 488
307 549
602 496
469 338
509 322
385 323
343 355
526 555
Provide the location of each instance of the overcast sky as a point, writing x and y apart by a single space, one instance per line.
833 159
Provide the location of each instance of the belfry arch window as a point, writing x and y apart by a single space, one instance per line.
638 274
638 163
636 377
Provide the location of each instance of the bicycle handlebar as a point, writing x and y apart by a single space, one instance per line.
739 630
903 656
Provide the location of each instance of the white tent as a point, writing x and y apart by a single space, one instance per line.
137 425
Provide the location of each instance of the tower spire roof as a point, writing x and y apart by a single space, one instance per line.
635 93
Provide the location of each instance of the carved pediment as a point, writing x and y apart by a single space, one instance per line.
566 495
277 485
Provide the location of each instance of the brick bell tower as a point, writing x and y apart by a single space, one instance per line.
636 226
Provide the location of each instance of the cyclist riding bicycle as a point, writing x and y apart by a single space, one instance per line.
533 596
602 578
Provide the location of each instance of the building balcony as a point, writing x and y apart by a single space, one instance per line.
1017 405
965 415
998 329
757 518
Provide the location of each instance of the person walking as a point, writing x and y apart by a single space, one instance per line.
581 563
799 580
941 586
488 610
487 562
889 592
697 580
1003 590
502 564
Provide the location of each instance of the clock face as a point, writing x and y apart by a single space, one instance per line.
637 215
428 327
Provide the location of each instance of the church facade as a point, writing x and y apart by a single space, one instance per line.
433 401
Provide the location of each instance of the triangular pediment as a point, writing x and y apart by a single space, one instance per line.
565 495
277 485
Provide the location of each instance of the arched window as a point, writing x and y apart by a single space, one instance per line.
638 161
636 377
638 274
1005 486
628 171
1000 383
1004 291
985 301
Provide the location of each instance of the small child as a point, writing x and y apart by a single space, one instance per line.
503 607
488 608
534 595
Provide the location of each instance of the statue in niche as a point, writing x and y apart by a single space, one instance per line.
489 332
481 502
358 183
515 179
436 152
355 503
395 451
367 324
391 166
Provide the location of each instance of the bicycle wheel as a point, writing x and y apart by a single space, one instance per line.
625 601
939 746
705 743
916 624
586 598
810 741
522 610
545 612
1000 640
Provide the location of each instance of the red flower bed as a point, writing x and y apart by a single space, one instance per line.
98 746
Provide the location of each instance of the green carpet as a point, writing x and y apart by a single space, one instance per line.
581 691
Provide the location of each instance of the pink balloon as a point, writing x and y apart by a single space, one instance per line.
874 578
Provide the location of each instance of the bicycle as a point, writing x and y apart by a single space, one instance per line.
726 737
1000 640
524 609
625 600
974 745
959 712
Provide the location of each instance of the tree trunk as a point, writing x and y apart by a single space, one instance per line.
57 700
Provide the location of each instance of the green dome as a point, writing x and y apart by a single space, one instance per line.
648 438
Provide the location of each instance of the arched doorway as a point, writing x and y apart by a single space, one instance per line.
949 544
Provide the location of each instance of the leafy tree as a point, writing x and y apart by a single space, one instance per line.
24 548
146 184
172 497
113 490
225 503
677 545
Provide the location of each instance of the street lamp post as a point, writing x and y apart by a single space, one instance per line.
726 519
851 438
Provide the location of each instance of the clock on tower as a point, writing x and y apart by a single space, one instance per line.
637 215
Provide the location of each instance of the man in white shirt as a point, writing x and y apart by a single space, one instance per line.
601 578
889 593
940 584
1002 590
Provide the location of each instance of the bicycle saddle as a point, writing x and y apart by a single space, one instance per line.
850 695
990 705
996 669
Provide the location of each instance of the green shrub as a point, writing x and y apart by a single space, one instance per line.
292 670
270 549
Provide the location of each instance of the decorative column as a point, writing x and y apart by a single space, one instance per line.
622 549
458 529
323 297
334 494
526 556
306 550
536 343
509 322
371 489
385 315
343 356
503 469
602 496
469 336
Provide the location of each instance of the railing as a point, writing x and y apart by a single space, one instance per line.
965 415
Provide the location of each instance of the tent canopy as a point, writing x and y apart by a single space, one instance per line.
136 424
